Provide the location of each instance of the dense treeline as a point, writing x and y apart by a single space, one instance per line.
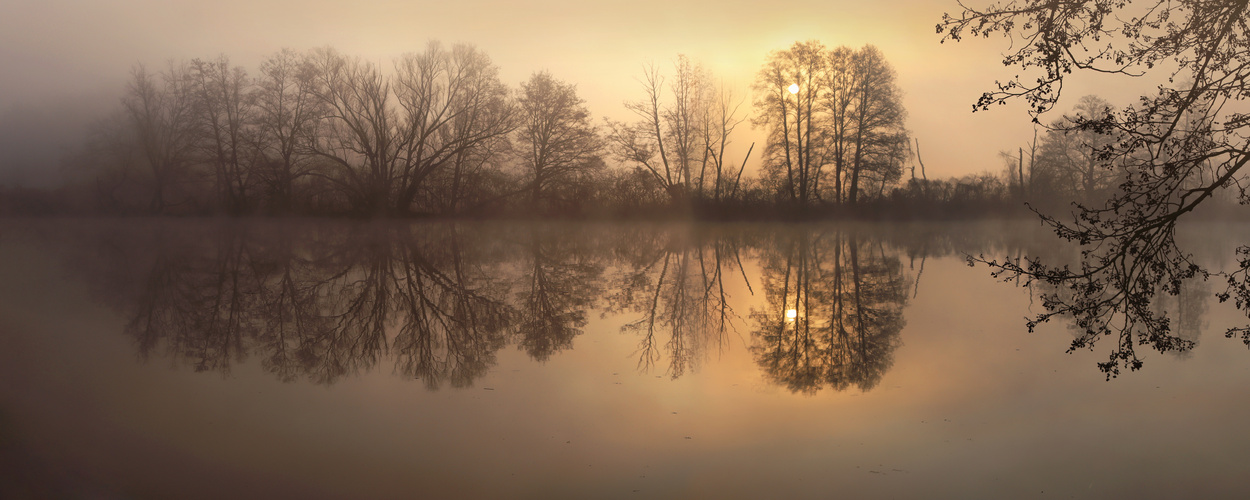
437 132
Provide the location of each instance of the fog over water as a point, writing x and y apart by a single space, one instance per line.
649 249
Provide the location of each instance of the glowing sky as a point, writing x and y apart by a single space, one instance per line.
56 53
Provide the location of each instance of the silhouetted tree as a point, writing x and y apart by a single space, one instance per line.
667 140
720 120
559 142
442 113
880 141
1067 164
286 113
1175 149
787 89
161 111
225 111
839 108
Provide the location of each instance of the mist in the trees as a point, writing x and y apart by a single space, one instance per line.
438 132
662 249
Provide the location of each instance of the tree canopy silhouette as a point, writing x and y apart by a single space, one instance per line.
1176 149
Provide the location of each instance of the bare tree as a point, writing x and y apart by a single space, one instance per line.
880 141
1067 159
787 88
822 107
683 117
161 110
556 134
457 113
357 132
225 111
720 120
667 140
286 113
837 102
389 136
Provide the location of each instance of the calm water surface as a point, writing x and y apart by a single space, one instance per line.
220 359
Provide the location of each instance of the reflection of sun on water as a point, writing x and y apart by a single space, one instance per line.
791 314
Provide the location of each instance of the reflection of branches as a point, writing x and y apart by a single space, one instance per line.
452 326
439 300
289 308
788 345
1188 306
554 296
833 318
323 309
358 310
648 353
676 287
199 308
1174 149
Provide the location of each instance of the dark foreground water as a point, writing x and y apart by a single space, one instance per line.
220 359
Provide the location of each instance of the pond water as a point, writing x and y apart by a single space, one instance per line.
313 359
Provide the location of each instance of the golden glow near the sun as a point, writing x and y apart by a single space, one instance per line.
794 88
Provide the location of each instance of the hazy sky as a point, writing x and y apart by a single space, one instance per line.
66 60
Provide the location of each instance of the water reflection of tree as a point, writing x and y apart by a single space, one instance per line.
323 302
453 317
436 302
290 306
197 308
1189 308
833 314
324 309
674 280
558 283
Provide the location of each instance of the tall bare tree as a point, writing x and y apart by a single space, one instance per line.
822 107
837 103
457 113
667 140
880 141
286 113
161 111
389 136
357 132
558 140
225 110
787 88
719 121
